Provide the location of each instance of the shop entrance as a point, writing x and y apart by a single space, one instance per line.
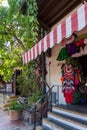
83 84
74 80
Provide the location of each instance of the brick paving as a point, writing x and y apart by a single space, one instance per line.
7 124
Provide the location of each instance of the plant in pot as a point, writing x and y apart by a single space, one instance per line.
34 98
15 109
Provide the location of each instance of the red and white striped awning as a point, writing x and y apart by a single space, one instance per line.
75 21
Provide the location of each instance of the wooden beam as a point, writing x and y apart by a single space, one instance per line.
44 25
45 6
53 9
63 12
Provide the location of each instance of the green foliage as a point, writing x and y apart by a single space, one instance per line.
1 1
15 105
28 82
18 33
34 97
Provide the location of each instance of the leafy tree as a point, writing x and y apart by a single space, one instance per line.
0 1
18 33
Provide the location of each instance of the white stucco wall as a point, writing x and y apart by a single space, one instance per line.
54 72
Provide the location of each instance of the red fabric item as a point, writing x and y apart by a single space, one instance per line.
77 80
68 77
80 42
68 94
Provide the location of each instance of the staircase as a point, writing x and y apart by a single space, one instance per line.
59 117
64 119
5 100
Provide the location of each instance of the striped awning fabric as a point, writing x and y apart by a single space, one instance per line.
75 21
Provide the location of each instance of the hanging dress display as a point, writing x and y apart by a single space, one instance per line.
68 82
68 93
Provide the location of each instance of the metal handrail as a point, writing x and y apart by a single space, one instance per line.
42 98
33 108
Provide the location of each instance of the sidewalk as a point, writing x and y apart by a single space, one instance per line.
7 124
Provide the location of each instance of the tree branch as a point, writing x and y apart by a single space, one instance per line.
19 41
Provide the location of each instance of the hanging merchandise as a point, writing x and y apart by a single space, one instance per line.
81 36
71 48
68 72
73 61
62 54
68 82
68 93
76 97
77 77
79 43
82 52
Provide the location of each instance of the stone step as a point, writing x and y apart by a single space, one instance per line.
50 125
5 108
1 105
69 113
12 96
38 128
1 99
6 105
5 100
10 100
66 122
1 95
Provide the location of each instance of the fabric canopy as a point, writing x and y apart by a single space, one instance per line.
76 21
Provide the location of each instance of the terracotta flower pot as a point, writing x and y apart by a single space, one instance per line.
14 114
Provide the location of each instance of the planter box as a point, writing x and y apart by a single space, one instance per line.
27 116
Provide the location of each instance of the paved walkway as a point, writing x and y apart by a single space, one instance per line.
7 124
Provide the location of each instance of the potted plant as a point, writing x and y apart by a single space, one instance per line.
34 98
14 110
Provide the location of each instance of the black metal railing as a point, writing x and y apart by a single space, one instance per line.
45 105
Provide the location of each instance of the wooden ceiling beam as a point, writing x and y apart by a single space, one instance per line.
62 13
48 4
55 10
40 2
44 25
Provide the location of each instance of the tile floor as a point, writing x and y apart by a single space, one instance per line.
7 124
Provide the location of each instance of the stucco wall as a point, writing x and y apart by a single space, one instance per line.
54 72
